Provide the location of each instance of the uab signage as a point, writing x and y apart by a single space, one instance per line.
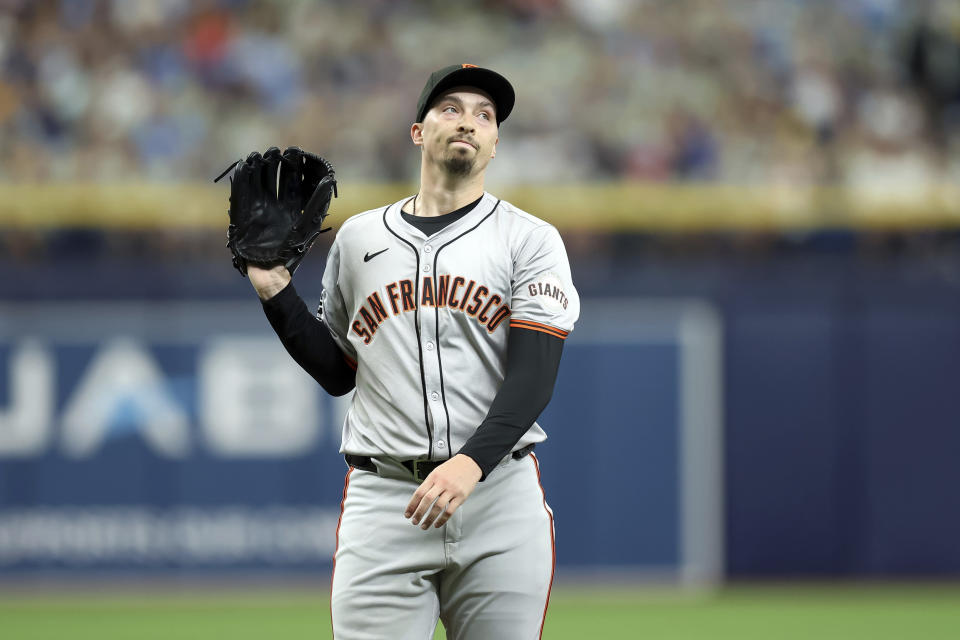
161 436
234 397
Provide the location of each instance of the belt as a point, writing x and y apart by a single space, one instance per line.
419 469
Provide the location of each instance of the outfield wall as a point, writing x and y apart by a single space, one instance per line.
147 436
838 408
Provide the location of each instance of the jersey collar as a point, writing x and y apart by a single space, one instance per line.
398 225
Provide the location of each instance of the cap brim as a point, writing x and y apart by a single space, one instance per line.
490 82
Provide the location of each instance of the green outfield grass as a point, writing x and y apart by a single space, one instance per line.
767 612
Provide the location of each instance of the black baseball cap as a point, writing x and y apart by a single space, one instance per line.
467 75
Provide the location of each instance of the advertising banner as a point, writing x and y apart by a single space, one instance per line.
154 437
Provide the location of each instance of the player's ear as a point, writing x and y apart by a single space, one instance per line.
493 154
416 133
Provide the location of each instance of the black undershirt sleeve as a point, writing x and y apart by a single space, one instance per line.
309 342
533 358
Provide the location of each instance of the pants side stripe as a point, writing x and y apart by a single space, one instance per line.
346 484
553 543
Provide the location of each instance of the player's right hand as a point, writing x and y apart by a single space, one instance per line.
445 489
268 281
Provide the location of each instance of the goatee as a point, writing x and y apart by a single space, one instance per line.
459 166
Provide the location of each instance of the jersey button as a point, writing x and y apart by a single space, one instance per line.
434 396
426 268
427 249
441 444
429 346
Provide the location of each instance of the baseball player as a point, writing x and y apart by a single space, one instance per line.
446 314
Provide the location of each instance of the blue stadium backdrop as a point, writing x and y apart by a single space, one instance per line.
158 437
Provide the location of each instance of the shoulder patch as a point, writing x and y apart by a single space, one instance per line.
548 291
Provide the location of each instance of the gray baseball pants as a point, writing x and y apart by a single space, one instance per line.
486 574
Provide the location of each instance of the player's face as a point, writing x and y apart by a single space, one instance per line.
459 132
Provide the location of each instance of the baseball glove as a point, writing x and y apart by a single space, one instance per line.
278 202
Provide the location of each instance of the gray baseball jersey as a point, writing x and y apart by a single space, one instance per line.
425 320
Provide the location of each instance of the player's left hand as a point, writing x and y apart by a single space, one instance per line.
446 488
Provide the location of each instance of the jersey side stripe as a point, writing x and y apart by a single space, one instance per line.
536 326
416 321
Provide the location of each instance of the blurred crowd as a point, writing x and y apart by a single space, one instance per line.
855 92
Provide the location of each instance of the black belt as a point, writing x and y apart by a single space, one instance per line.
420 469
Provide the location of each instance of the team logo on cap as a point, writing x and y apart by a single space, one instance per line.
469 66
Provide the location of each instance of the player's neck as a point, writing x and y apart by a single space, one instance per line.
442 194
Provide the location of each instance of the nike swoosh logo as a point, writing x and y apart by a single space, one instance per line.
371 256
